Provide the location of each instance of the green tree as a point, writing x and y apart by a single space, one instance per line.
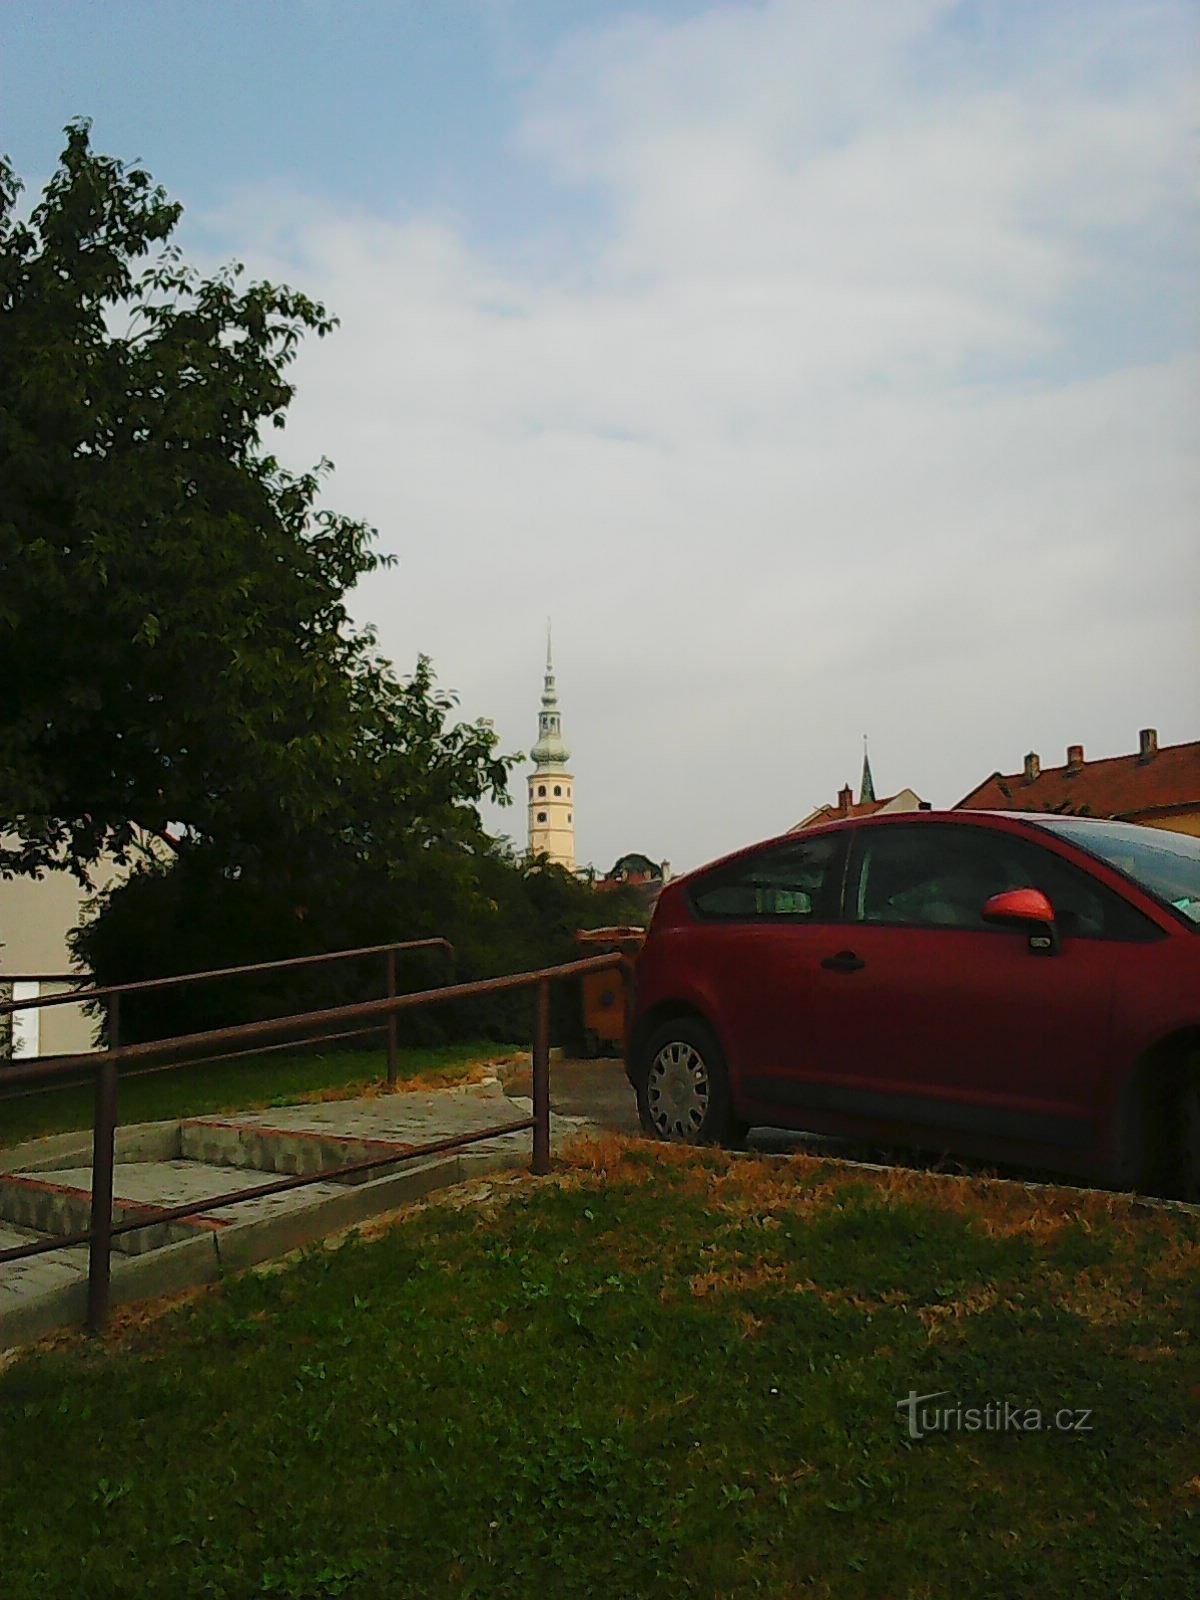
177 657
501 912
175 646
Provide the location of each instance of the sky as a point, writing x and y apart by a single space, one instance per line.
822 369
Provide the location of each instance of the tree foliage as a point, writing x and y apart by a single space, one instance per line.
177 657
174 640
501 913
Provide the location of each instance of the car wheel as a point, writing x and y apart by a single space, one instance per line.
1165 1130
683 1086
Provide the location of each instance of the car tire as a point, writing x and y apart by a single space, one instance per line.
1165 1129
683 1088
1184 1176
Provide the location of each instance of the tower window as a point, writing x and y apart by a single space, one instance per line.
541 816
570 818
541 791
558 788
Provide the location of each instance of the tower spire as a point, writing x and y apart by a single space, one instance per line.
551 785
866 788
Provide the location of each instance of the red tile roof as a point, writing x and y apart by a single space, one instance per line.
1116 786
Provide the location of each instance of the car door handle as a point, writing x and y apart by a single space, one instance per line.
844 961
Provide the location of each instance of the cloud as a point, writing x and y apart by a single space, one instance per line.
871 406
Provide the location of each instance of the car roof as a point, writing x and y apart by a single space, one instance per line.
883 819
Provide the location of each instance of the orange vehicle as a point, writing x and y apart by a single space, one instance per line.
604 992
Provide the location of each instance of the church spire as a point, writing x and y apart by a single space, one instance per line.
866 788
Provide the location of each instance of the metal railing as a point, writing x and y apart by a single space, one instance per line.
105 1065
112 992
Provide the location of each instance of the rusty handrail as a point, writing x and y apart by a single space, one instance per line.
105 1065
277 1027
99 991
113 991
82 1075
42 977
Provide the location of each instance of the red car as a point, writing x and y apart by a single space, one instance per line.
1014 988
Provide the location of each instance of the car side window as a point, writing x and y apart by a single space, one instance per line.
941 877
927 876
796 882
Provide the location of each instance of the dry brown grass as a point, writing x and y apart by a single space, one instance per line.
743 1185
749 1196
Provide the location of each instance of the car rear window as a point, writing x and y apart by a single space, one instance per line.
794 882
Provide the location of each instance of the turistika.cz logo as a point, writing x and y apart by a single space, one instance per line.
995 1416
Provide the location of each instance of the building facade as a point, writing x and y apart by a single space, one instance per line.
636 871
36 917
551 784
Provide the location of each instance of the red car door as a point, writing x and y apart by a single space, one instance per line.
949 1023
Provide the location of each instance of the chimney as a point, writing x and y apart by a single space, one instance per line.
845 796
1147 744
1033 767
1074 757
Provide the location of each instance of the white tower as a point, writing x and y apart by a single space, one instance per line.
551 786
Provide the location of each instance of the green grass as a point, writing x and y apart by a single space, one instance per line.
659 1373
239 1086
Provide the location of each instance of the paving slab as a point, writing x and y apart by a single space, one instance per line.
408 1118
50 1270
596 1090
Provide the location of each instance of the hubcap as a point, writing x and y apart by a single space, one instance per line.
677 1091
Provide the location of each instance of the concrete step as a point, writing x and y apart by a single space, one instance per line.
260 1147
45 1190
60 1201
52 1268
321 1135
49 1291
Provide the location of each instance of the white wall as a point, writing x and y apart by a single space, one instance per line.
36 915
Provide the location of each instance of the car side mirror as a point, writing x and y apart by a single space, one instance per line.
1029 909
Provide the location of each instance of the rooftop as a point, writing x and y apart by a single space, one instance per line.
1149 780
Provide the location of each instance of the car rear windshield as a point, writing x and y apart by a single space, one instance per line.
1166 865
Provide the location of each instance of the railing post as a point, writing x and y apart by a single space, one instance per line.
104 1132
393 1071
541 1081
626 971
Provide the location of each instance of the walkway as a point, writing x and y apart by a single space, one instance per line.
45 1190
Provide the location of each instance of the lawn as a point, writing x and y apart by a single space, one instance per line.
656 1373
254 1081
